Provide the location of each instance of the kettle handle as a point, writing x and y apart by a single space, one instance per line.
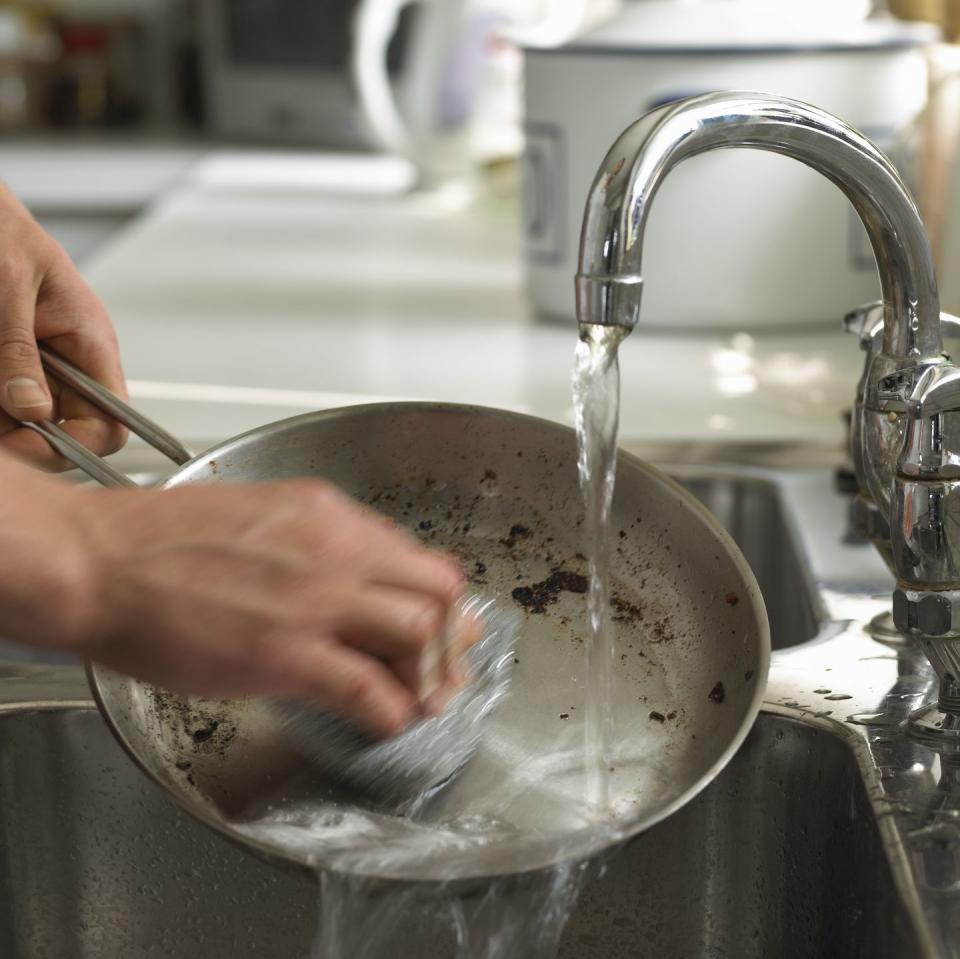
374 25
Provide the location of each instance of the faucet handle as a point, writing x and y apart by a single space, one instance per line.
866 323
928 392
930 398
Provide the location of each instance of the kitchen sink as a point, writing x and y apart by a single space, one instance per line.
780 856
830 833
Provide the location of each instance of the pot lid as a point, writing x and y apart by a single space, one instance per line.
730 26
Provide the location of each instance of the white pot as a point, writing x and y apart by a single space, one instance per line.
735 239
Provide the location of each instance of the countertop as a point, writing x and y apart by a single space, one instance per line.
86 174
249 292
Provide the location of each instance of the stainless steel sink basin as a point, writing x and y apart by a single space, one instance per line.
779 857
753 512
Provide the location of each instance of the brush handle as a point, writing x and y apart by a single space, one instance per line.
436 658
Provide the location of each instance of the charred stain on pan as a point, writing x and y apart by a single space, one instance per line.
517 532
658 717
538 596
205 733
209 727
626 611
659 626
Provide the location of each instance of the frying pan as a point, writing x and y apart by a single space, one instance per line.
499 490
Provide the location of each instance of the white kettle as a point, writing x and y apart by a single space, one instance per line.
406 128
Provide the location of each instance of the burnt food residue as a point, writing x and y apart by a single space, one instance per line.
517 532
538 596
718 694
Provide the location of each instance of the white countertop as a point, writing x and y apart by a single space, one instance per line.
239 305
87 174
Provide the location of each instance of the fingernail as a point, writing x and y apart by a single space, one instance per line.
24 393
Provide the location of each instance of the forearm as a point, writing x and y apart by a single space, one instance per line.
45 589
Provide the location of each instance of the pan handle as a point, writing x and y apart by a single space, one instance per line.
95 467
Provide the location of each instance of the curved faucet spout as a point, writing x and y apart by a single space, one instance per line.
609 279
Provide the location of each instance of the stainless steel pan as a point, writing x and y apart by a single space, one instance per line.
500 490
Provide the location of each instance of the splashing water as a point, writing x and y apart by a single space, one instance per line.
596 405
499 919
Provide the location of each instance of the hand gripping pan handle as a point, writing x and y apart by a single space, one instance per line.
95 467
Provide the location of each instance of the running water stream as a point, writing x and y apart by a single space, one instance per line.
596 405
505 918
500 918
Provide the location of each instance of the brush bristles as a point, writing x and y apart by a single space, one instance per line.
431 751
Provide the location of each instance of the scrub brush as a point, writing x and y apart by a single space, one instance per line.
431 751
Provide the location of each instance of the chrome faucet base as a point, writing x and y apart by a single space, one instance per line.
884 630
937 724
935 727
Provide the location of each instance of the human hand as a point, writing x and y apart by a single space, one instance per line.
43 297
288 589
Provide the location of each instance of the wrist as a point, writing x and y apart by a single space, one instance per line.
49 575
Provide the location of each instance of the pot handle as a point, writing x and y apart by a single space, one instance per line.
92 391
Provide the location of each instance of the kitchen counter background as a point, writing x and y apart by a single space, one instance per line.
84 189
252 291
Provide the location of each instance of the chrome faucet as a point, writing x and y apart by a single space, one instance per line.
906 430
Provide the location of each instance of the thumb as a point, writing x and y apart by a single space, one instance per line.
23 388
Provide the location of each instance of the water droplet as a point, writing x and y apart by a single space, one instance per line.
872 719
